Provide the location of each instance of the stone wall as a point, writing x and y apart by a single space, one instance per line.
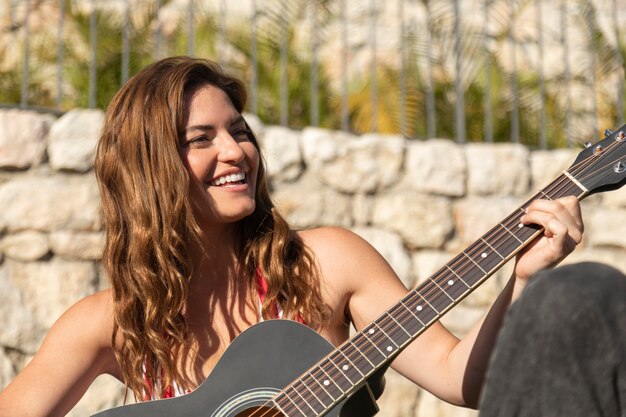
418 202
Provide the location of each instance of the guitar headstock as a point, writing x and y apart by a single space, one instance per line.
602 166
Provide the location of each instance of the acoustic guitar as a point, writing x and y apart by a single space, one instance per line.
283 368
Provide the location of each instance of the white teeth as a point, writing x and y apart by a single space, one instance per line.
240 176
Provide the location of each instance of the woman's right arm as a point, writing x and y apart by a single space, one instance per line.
76 350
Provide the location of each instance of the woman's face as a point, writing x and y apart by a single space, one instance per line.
222 161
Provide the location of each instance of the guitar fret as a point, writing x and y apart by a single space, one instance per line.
328 379
453 288
291 407
345 366
339 378
404 335
485 256
352 382
359 354
313 387
373 344
493 249
319 384
419 322
406 321
473 261
318 404
276 405
503 242
303 400
388 348
512 234
576 183
522 232
545 195
322 378
427 302
442 290
457 275
471 275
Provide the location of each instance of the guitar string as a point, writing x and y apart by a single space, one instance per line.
441 292
564 187
305 400
383 325
445 277
322 403
557 188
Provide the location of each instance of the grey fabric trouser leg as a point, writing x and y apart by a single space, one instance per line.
562 349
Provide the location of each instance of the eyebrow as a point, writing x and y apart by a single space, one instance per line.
234 121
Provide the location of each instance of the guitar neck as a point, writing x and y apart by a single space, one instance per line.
347 367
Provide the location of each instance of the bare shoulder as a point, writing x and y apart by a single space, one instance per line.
325 241
87 327
92 315
345 256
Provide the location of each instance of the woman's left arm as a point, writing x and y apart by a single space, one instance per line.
450 368
468 359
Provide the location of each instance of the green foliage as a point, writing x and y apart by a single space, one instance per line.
108 60
399 108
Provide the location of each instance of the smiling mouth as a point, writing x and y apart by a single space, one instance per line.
231 179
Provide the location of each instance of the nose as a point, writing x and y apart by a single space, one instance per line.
230 150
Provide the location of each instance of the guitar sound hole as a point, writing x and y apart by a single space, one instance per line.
260 412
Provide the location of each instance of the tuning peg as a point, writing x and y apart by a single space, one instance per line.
588 144
608 132
619 167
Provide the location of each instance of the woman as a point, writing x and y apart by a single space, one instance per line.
193 239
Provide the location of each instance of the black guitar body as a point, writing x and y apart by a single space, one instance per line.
261 361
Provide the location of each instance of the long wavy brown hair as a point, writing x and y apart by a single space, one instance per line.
150 226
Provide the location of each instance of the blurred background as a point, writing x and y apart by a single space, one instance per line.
417 124
544 73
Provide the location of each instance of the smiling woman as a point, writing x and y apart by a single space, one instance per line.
191 242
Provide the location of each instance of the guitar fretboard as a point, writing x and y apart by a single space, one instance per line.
347 367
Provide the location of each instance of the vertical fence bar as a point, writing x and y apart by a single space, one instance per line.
515 104
254 84
26 58
222 34
60 55
487 104
284 86
431 121
315 114
158 35
345 123
126 43
543 142
191 29
620 64
403 82
566 72
93 33
591 17
373 68
460 99
12 11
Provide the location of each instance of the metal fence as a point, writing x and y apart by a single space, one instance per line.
542 73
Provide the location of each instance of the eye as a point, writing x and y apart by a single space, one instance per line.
242 134
198 141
